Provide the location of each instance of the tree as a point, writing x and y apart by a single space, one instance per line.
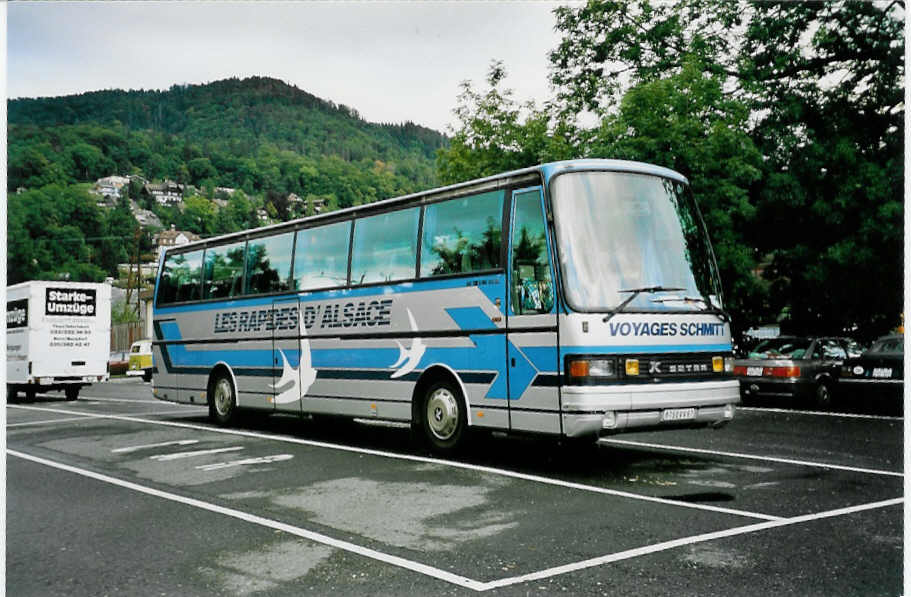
198 215
785 116
824 83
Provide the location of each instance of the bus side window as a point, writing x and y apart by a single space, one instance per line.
385 247
532 287
180 278
462 235
321 256
269 264
224 271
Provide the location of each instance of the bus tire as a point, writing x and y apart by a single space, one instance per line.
443 417
72 392
222 399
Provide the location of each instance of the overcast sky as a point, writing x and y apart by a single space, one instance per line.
391 61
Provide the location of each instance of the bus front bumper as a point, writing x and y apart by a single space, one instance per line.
604 410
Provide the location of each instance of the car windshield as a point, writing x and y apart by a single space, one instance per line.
890 345
776 348
620 232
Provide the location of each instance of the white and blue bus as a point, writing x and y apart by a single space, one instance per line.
577 298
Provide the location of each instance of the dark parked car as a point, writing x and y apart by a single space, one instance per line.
877 376
793 368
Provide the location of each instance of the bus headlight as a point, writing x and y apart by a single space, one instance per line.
589 370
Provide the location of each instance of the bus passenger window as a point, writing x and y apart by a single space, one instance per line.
385 247
224 271
321 257
269 264
462 235
532 287
180 278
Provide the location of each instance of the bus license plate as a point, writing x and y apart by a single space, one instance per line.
882 372
678 414
754 371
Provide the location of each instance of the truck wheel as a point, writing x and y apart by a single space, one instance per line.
12 393
444 419
72 392
147 376
222 400
30 395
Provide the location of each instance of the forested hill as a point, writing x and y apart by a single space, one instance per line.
259 134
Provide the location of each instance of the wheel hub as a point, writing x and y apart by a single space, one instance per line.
442 414
222 397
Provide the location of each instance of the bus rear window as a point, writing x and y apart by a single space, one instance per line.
180 278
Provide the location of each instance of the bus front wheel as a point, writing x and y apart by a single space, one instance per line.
222 400
444 419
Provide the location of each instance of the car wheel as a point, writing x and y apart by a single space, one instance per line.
444 418
822 398
222 400
72 393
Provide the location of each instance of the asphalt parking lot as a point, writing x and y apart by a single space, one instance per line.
120 494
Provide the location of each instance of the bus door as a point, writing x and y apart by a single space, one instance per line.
532 318
287 358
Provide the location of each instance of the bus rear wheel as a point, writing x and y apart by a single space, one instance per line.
222 400
444 419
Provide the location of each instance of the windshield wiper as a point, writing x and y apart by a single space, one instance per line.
636 292
709 306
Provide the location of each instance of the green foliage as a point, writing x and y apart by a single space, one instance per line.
785 116
123 312
257 134
54 233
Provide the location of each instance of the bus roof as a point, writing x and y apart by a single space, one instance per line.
547 171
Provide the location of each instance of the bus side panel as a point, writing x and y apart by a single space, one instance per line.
534 379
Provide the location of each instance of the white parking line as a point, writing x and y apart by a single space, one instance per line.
870 471
443 574
426 460
84 417
666 545
265 522
179 442
246 461
48 421
193 454
126 400
819 413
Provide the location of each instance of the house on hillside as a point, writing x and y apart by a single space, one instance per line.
165 193
172 238
110 187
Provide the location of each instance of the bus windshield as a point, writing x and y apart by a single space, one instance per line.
620 232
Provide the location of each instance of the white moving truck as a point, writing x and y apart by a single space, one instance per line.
58 337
